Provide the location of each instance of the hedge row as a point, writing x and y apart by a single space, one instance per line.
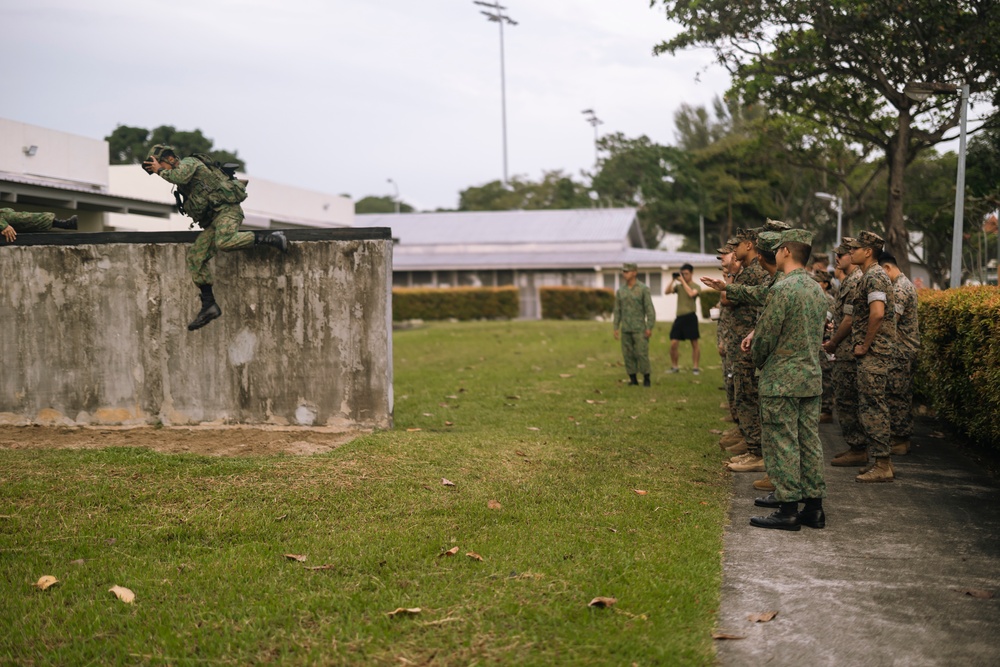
576 303
959 363
460 303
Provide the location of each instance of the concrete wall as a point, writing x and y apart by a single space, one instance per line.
94 332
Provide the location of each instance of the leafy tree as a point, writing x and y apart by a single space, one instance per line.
130 145
373 204
849 64
556 190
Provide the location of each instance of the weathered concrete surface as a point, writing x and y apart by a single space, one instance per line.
884 582
95 333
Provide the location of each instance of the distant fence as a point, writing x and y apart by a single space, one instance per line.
93 331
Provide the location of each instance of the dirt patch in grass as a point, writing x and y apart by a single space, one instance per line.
207 441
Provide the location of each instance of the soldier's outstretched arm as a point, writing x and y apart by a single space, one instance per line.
9 233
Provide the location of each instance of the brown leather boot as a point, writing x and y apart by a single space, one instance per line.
881 472
739 448
763 484
852 457
901 447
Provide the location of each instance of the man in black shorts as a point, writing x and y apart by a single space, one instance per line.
686 322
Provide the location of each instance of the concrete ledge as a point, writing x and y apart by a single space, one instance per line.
93 328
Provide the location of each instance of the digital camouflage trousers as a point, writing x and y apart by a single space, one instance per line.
793 453
899 396
873 407
747 401
845 390
223 235
635 351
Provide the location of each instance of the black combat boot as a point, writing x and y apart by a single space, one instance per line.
274 239
812 514
786 518
68 223
645 380
209 309
632 379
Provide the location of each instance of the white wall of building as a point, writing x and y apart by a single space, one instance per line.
57 155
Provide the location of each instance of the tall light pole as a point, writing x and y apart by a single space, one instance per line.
496 15
920 92
396 198
594 121
838 205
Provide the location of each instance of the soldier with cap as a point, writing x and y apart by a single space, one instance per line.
12 222
211 197
635 317
845 365
873 334
730 268
825 359
786 349
899 382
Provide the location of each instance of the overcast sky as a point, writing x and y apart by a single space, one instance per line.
341 95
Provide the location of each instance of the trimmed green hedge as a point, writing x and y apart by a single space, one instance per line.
460 303
959 362
576 303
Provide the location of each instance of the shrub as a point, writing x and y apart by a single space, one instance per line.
576 303
959 361
460 303
709 299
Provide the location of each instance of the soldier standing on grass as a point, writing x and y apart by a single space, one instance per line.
635 317
845 365
899 382
12 222
786 349
873 335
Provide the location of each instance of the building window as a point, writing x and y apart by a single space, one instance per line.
611 281
469 279
400 279
655 283
505 278
423 278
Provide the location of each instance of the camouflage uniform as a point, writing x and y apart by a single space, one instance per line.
845 367
633 315
206 203
786 349
899 383
825 360
873 367
25 222
744 318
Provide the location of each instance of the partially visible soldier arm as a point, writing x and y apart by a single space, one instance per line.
182 174
617 319
842 332
876 313
765 334
752 295
647 305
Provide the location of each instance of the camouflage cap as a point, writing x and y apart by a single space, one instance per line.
768 241
867 239
775 226
845 246
629 266
724 250
158 150
743 235
732 241
821 277
796 236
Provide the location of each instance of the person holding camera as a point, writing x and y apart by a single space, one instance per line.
685 325
211 197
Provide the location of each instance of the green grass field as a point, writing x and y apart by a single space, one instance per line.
545 446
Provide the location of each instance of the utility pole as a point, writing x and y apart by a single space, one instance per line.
594 121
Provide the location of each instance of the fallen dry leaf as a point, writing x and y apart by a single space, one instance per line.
976 593
443 405
640 492
452 397
474 556
534 428
565 375
633 416
319 567
581 365
449 423
411 430
519 452
78 561
715 431
46 582
447 482
299 557
726 635
428 414
403 611
493 505
602 602
513 397
762 617
449 552
123 594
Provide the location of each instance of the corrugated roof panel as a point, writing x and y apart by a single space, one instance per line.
586 261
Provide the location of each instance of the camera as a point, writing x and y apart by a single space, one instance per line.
676 275
147 165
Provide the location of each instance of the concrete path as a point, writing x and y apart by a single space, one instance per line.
884 583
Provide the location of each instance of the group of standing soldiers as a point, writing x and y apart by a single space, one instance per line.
780 328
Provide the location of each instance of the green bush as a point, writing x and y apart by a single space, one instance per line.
576 303
460 303
958 368
709 299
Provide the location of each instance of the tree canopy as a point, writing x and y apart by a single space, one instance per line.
556 190
130 145
848 65
384 204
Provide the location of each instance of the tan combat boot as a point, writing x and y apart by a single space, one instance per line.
739 448
880 472
752 463
851 457
873 463
730 437
741 458
901 446
763 484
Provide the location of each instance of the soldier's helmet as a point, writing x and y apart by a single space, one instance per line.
159 149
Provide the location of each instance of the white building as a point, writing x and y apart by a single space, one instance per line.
531 249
